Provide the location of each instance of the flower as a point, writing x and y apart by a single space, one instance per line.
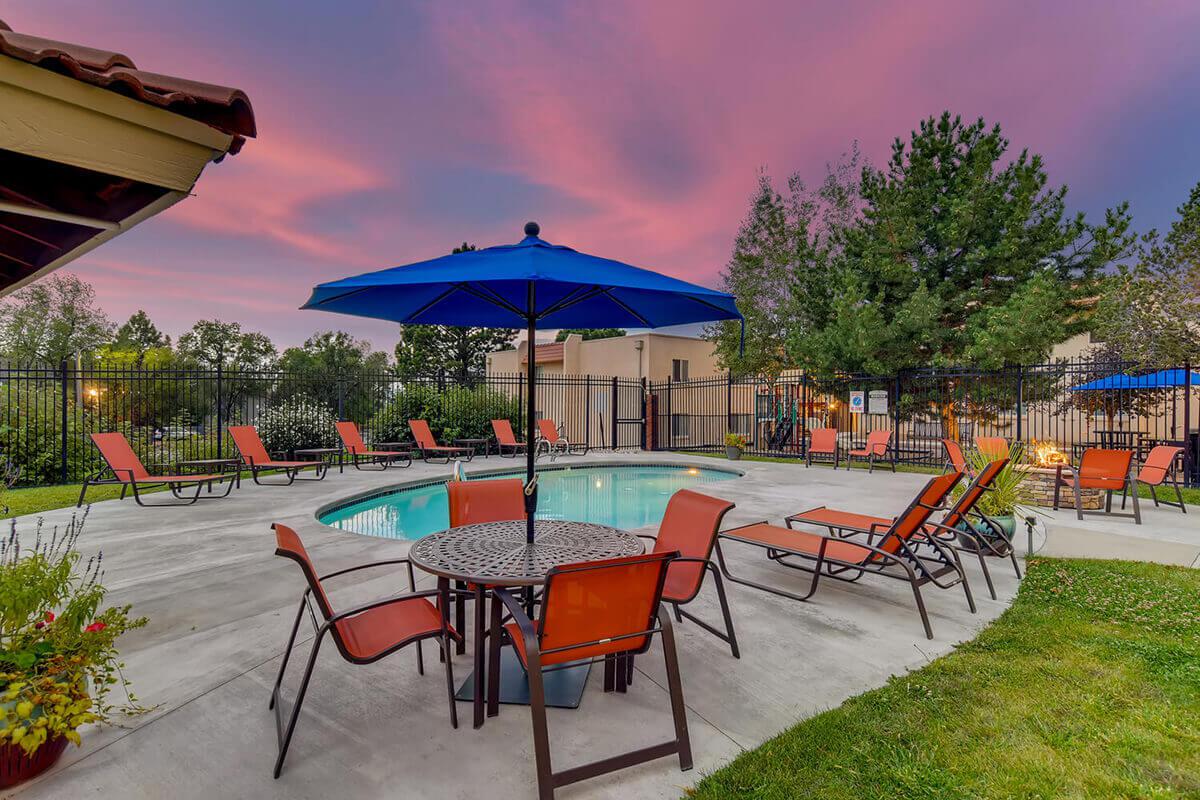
95 627
45 620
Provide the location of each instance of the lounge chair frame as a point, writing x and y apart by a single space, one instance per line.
618 669
514 447
381 458
561 446
906 564
431 449
320 629
132 482
289 469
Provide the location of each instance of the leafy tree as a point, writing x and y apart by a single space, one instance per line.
1148 311
590 333
780 266
956 257
52 320
139 334
459 352
333 365
242 356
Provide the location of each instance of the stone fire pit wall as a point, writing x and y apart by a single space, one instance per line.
1039 490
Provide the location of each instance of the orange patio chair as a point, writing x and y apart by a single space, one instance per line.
955 460
476 502
1108 470
505 439
1161 465
689 527
362 634
431 449
555 444
599 610
963 527
257 459
893 549
124 468
875 449
359 453
823 442
992 447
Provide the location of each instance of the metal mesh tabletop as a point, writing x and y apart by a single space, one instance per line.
497 553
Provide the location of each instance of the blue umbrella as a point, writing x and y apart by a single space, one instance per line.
1163 379
528 285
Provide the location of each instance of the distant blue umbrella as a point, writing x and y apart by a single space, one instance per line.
1163 379
528 285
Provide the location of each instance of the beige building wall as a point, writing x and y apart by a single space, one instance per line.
644 355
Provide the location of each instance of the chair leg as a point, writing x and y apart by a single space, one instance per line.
460 616
541 734
678 710
1125 494
678 613
420 659
287 653
987 576
1179 496
733 645
1078 498
286 740
1137 508
82 492
446 652
493 681
1153 496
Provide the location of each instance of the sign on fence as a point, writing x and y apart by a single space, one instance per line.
857 402
878 401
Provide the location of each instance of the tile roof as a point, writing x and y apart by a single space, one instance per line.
545 352
226 109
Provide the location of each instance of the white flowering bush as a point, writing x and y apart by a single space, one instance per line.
297 423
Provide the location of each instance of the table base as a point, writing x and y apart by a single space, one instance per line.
564 687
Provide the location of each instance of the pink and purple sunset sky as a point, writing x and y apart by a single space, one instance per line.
390 132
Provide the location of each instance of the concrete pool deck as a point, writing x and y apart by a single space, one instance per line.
220 604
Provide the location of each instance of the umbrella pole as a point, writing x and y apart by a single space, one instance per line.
530 423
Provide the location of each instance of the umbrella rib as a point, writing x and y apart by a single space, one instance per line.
625 306
344 295
433 302
706 303
574 298
488 296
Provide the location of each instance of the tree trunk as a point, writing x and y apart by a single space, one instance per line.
949 420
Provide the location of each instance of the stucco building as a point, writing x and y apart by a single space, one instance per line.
654 356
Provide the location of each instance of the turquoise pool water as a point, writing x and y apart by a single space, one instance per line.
621 496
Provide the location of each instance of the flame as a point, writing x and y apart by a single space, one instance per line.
1046 454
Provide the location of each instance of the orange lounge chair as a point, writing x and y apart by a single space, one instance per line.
823 442
431 449
689 527
1108 470
256 458
123 467
891 550
875 448
358 451
599 610
1161 465
549 439
964 527
505 439
363 634
955 460
992 447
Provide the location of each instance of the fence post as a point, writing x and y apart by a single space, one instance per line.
220 410
896 417
729 401
587 410
804 408
62 373
1020 402
614 413
670 418
1188 462
341 396
644 390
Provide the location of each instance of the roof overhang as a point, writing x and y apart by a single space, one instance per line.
80 164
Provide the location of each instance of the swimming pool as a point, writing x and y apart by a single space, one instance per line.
621 495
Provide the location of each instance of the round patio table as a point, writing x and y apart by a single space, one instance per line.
496 554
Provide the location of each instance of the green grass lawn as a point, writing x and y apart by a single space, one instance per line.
46 498
1088 686
1191 495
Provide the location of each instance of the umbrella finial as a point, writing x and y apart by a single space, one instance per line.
532 229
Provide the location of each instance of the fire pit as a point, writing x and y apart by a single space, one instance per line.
1041 474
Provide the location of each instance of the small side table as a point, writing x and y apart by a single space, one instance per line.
321 454
478 445
217 465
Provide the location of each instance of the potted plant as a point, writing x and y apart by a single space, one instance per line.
1000 502
735 443
58 656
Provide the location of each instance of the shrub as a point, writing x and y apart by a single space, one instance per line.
31 434
58 656
458 412
297 423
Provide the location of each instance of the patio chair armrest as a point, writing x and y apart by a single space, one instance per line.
646 536
369 565
524 624
396 598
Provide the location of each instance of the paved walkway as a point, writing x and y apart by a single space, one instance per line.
220 603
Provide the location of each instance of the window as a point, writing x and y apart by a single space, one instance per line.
679 369
681 426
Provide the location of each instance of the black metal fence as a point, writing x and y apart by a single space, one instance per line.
47 413
1071 404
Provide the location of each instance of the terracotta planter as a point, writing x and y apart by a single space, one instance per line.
733 453
16 767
